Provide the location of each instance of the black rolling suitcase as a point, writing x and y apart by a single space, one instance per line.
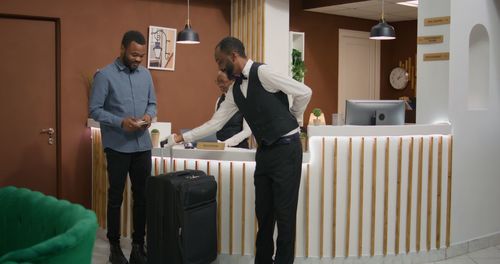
181 218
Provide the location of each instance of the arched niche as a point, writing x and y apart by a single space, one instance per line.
479 68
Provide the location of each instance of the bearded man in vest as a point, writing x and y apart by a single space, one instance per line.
261 95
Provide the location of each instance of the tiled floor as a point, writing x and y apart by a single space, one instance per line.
486 256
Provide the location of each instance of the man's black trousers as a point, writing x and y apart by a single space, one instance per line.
138 166
277 180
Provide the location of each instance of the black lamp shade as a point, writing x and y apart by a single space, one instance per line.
382 31
188 36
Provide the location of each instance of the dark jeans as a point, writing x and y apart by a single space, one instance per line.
277 180
138 166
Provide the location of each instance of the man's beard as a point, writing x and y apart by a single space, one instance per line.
130 64
229 70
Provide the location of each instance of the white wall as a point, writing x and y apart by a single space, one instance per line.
442 95
277 25
432 76
476 166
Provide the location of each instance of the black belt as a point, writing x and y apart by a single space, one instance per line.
285 140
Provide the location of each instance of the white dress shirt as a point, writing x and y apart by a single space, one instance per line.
273 82
236 139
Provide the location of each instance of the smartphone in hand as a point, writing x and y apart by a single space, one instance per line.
143 123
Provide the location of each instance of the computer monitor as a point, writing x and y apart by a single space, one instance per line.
374 112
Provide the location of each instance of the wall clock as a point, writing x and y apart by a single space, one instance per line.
398 78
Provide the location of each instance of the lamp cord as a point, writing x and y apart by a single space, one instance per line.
382 9
188 22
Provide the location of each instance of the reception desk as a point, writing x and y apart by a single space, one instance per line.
378 191
365 191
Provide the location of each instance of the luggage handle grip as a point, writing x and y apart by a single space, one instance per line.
185 173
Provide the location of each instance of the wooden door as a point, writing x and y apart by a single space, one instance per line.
359 67
28 103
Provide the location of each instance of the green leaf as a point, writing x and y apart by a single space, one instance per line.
316 112
298 65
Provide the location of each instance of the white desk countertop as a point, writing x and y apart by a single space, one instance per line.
355 131
228 154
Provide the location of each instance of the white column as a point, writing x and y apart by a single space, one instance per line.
277 25
433 76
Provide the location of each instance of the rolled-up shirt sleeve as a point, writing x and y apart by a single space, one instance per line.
274 82
238 138
226 110
100 89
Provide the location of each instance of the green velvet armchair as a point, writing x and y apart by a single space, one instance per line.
35 228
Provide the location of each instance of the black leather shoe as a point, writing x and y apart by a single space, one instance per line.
138 254
116 256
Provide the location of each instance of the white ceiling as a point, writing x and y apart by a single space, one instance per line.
371 10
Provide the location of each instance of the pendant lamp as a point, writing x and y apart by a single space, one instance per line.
382 30
188 35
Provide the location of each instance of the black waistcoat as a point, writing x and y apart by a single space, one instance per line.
267 114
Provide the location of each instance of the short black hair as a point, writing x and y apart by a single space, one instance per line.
230 44
133 35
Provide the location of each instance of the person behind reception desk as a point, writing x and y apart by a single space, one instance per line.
122 96
261 96
236 131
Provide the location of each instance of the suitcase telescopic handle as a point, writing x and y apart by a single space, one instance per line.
183 173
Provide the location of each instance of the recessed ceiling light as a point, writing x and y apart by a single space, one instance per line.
409 3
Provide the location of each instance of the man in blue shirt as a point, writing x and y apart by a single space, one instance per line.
123 101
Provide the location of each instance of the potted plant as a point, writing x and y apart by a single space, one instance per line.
298 66
155 138
317 113
89 82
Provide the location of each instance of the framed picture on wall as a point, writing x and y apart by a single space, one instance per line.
161 48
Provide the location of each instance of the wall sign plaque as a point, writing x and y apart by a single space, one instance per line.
434 21
437 56
430 39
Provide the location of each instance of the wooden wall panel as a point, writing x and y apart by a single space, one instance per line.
247 24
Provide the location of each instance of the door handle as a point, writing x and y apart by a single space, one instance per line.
49 131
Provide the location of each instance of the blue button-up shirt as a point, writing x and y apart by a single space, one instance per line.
118 93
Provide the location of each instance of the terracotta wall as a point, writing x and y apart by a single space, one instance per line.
321 53
394 51
91 32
